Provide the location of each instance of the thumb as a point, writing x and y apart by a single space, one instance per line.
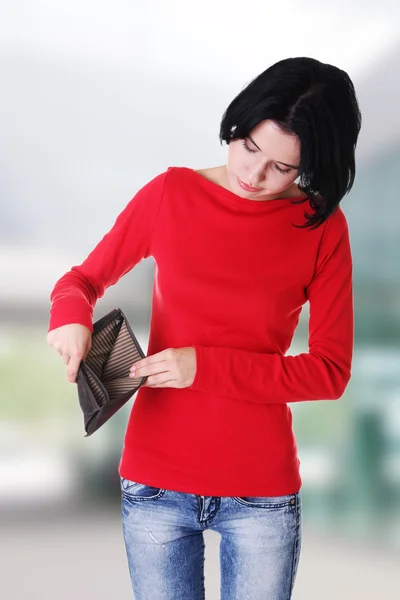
72 369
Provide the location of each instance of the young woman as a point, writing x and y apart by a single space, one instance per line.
239 249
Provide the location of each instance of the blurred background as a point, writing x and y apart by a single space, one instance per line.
97 98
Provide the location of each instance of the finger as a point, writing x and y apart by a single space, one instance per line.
158 358
65 357
166 384
147 371
146 364
159 380
73 367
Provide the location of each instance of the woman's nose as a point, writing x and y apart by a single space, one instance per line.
255 178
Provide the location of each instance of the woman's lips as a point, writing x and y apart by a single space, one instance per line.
246 187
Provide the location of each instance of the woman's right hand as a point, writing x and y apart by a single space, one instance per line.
72 342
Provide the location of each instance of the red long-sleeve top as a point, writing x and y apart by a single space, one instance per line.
231 277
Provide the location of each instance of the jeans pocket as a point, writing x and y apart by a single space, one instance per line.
135 490
272 502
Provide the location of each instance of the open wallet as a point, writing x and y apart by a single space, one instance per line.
103 381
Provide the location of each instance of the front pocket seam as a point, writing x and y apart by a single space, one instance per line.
142 498
266 504
131 483
135 484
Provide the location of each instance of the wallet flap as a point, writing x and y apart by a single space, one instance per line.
123 354
88 381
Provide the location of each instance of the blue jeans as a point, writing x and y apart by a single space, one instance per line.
163 532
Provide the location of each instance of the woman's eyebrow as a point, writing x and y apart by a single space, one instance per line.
286 165
253 142
278 161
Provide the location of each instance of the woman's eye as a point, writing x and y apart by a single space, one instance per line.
282 170
247 148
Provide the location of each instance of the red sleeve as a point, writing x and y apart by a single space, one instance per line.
322 373
129 241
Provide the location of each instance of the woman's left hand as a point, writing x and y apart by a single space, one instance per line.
173 367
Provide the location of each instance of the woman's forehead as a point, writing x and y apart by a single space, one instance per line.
268 132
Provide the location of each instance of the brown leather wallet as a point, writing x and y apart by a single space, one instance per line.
103 381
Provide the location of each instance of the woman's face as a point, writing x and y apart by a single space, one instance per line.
268 159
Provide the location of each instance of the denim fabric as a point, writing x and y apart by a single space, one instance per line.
163 532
